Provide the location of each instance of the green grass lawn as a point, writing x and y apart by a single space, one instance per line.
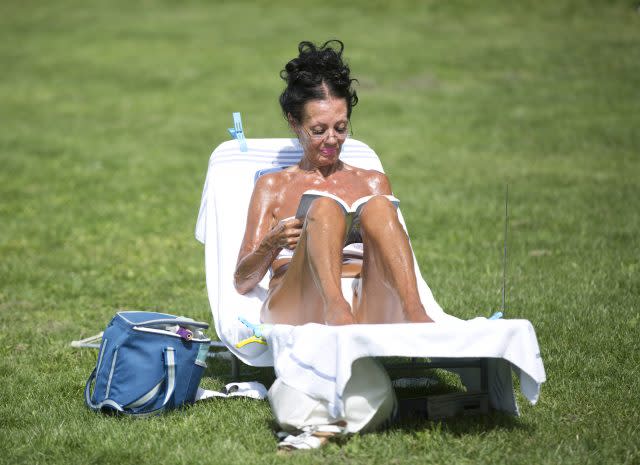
109 111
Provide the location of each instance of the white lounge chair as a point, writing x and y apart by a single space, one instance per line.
483 352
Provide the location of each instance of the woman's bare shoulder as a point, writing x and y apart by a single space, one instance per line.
377 181
275 179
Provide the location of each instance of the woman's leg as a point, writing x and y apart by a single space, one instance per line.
389 292
310 290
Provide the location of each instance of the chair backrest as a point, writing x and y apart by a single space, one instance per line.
221 223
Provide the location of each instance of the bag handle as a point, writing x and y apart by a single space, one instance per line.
169 378
173 321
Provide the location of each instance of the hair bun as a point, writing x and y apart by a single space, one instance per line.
306 74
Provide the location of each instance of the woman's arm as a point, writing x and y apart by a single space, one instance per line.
263 239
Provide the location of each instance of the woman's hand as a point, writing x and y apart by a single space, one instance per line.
253 264
285 234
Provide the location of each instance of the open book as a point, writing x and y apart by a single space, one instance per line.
352 212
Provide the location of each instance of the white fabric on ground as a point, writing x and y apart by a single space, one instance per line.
369 401
508 344
251 389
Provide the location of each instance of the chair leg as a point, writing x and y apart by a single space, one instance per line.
484 375
235 367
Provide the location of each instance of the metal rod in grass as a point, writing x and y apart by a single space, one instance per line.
504 256
500 314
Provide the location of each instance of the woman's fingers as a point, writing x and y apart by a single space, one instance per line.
292 236
290 232
291 243
292 223
291 228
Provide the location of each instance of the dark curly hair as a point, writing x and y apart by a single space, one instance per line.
309 73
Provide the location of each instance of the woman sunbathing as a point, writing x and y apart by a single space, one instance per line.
308 256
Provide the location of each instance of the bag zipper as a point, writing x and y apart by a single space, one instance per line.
166 333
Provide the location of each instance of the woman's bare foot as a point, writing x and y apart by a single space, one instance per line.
417 315
339 314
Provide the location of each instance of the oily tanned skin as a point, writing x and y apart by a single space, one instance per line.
307 287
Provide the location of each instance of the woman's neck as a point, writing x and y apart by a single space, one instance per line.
324 171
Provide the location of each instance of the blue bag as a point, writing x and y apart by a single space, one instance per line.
148 362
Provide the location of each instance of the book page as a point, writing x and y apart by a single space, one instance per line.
358 204
352 213
309 196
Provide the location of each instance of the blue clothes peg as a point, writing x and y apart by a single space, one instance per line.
237 132
257 329
257 335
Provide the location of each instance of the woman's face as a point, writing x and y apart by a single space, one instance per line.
323 130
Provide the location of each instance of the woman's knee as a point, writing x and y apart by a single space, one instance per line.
325 210
377 212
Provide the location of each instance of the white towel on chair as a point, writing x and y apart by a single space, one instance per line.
317 359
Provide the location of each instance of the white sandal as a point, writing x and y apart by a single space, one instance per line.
311 437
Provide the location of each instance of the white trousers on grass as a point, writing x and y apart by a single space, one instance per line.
369 401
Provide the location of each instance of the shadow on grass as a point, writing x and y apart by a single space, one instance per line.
413 416
462 425
459 426
405 421
220 370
